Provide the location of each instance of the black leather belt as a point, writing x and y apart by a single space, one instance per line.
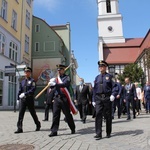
103 95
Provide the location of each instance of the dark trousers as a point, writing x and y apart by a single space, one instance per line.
103 107
83 109
131 102
116 103
58 105
28 102
47 108
138 105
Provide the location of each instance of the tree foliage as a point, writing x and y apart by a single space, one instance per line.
133 71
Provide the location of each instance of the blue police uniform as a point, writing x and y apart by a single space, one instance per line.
61 103
104 87
117 102
28 87
147 97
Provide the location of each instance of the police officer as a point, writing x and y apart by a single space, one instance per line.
116 102
61 102
26 98
103 95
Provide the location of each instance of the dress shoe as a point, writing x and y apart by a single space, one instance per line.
134 117
18 131
83 121
98 137
73 131
128 118
38 127
112 117
53 134
108 136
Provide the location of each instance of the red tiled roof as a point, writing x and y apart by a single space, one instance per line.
123 53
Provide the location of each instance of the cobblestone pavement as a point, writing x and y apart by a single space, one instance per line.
126 135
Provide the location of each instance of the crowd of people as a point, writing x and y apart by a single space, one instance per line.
107 97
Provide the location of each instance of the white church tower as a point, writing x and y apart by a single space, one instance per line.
109 24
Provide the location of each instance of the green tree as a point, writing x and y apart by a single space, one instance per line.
133 71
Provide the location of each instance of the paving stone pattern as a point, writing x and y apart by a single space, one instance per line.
126 135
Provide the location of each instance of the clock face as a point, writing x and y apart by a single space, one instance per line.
110 28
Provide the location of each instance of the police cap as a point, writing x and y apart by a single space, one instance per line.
60 66
102 63
27 69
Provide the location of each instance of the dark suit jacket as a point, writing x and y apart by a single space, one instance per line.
83 96
130 94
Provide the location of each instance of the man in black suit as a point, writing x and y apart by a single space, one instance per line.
49 101
82 98
130 97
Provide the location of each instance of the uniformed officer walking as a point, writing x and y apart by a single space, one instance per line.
61 102
26 98
103 95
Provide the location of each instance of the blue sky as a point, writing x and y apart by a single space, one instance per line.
82 16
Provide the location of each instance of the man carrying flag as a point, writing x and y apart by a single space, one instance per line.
61 101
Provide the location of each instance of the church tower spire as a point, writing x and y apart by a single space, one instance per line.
109 24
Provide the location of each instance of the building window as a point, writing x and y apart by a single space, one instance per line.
27 18
116 69
2 44
13 51
4 10
108 6
14 20
12 90
37 28
37 47
26 44
29 2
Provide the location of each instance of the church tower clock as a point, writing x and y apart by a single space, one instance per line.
109 24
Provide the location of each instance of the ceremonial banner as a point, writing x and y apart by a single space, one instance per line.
67 94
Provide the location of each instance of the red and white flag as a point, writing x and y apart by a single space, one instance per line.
67 94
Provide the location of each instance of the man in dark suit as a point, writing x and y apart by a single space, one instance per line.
82 98
130 97
49 101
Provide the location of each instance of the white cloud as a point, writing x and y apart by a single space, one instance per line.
49 5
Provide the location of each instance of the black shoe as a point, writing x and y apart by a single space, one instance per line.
18 131
98 136
73 131
38 127
112 117
83 121
108 136
128 118
118 117
53 134
134 117
45 120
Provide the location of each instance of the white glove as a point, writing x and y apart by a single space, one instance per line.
52 80
22 95
93 103
17 102
52 83
112 98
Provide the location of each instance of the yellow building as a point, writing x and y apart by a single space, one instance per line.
15 45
